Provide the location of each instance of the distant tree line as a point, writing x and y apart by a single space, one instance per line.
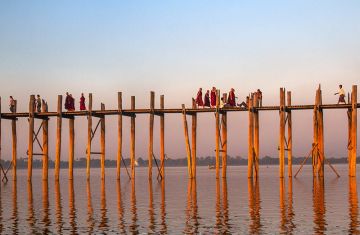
201 161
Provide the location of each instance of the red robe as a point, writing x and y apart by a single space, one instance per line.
231 99
213 98
199 100
82 103
207 100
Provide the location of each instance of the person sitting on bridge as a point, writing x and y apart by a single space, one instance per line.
245 104
207 99
231 99
341 93
12 105
199 100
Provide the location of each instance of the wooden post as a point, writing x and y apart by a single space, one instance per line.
352 161
193 139
0 132
102 143
349 116
320 136
14 144
132 139
31 135
256 136
162 138
71 146
289 125
251 138
45 145
151 134
187 144
58 138
217 134
89 138
224 140
315 136
282 133
119 152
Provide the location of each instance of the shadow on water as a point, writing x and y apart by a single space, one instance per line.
319 206
254 206
353 207
191 212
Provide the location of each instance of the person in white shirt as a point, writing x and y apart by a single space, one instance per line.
341 93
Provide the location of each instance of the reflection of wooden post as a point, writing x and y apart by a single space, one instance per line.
71 146
217 134
58 207
256 135
353 131
353 206
58 138
224 140
250 139
90 134
282 133
102 142
119 139
14 144
162 138
321 161
289 142
132 139
193 140
45 127
31 134
187 144
151 133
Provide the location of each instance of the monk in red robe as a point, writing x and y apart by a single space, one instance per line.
82 102
231 99
199 100
207 99
213 97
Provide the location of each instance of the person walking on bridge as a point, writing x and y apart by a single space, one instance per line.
207 99
12 105
341 94
231 99
38 104
199 100
213 97
82 102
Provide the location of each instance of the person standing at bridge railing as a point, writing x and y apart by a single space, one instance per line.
341 94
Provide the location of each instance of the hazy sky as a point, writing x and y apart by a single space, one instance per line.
172 48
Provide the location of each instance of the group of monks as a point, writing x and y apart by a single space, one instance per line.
70 102
210 99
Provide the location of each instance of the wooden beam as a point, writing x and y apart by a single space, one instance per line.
289 137
132 139
89 138
45 145
282 133
162 138
58 138
352 161
251 138
31 133
71 146
224 140
187 143
256 136
14 144
315 135
102 144
193 140
119 139
320 136
217 134
151 135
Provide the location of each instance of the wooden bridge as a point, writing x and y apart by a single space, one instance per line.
285 140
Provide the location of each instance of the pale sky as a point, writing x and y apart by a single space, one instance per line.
173 48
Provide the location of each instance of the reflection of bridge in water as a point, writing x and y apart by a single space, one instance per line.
285 140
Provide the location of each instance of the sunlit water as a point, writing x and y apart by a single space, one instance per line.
236 205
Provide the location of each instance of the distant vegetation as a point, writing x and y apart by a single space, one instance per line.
201 161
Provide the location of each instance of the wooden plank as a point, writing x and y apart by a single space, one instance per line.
102 143
58 138
45 144
151 135
132 139
193 140
119 139
30 136
89 137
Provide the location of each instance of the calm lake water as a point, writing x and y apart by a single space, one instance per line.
207 206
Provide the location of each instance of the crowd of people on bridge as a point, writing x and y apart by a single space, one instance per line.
209 100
